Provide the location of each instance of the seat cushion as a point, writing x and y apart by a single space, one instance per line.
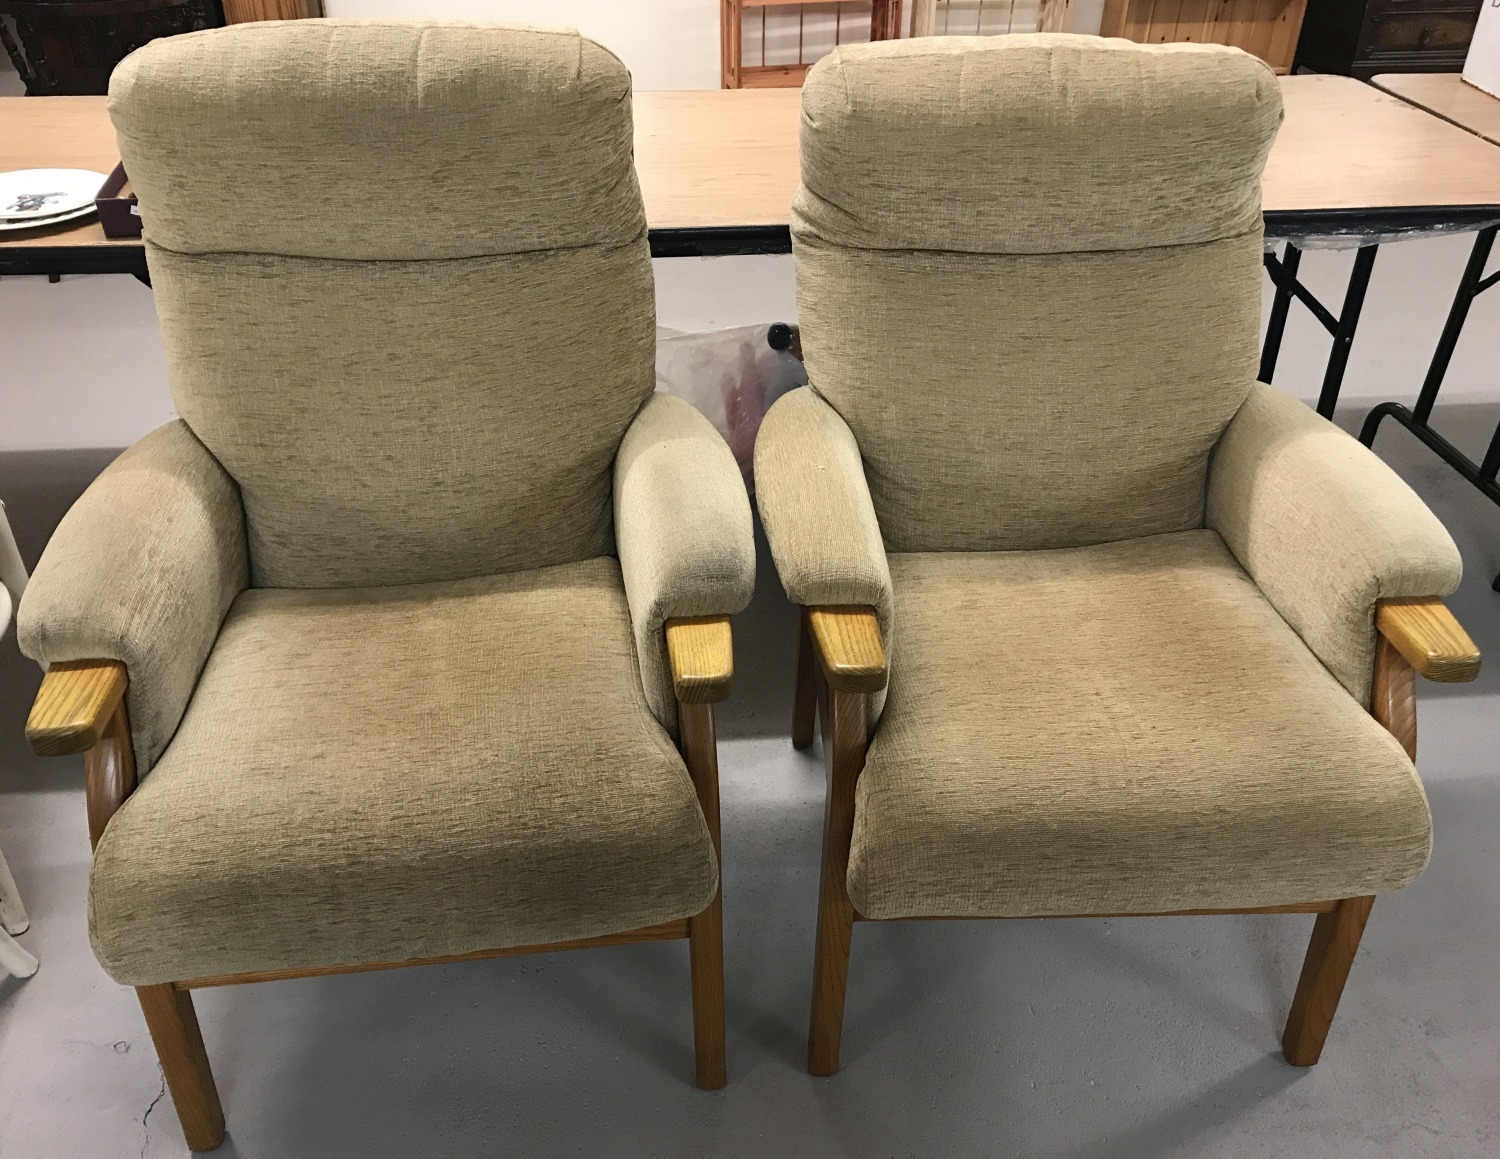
1122 728
381 774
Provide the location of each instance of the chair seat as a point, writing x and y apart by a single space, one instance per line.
391 773
1122 728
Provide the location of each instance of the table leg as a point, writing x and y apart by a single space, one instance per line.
1283 273
1343 336
1416 419
1280 305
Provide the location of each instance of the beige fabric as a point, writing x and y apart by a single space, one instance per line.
142 570
1129 727
810 489
454 408
683 530
399 422
401 772
378 140
1028 278
1033 144
1325 529
1010 402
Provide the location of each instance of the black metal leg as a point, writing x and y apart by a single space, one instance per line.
1457 315
1343 337
1484 474
1284 275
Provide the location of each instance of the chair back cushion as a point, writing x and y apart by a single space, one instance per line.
1029 278
404 286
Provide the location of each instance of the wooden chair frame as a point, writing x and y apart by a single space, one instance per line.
81 708
841 661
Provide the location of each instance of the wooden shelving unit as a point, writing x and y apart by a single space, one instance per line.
736 72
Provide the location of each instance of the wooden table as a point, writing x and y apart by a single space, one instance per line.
1447 95
718 169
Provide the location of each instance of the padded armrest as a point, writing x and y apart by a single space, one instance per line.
142 570
683 531
1324 528
815 503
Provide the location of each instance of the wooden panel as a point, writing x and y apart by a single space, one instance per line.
248 11
1393 695
1431 639
772 76
1267 28
1306 907
666 931
1285 30
848 641
76 700
701 652
108 773
1449 96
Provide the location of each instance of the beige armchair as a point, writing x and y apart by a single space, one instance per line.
401 644
1098 624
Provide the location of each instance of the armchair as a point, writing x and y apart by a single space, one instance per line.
1095 624
401 644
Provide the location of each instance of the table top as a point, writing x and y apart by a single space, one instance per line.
1449 96
718 167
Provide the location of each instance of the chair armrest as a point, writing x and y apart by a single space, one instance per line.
1324 528
73 706
684 534
815 503
849 647
141 571
701 652
1432 640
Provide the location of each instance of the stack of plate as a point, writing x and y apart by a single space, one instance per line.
37 198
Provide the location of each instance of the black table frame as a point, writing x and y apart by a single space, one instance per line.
1416 418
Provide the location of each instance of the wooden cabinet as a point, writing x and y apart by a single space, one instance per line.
1363 37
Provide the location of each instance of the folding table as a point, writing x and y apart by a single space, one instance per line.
718 169
1449 97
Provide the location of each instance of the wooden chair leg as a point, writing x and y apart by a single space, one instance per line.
805 699
1330 954
179 1045
706 930
846 733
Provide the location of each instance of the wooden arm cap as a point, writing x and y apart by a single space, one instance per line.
73 706
1433 642
848 642
701 652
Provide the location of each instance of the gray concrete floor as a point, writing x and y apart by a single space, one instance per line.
1086 1038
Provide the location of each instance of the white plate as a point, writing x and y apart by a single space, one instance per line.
33 193
44 222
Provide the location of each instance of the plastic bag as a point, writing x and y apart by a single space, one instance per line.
732 376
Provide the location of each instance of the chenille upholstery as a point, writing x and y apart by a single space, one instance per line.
1127 593
391 591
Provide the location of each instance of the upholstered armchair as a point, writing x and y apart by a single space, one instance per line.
1097 624
401 643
